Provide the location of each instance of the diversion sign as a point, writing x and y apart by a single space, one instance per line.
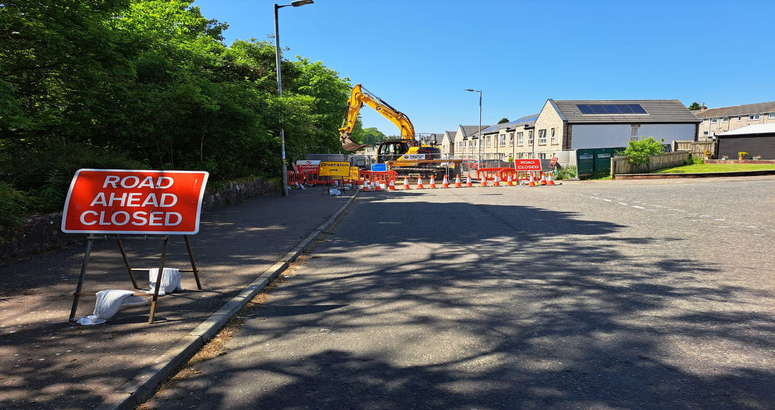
117 201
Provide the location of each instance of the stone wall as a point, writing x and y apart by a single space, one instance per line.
43 232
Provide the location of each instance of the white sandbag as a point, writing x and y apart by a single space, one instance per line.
170 280
108 303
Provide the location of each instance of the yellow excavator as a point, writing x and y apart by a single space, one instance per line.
406 155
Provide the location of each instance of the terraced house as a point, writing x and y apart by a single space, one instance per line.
716 121
566 125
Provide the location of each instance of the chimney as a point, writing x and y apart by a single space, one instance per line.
703 107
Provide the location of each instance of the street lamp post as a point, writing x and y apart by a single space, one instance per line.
479 138
297 3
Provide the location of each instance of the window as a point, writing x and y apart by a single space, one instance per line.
634 130
489 141
530 137
554 138
511 139
753 117
739 118
541 137
714 120
542 156
771 116
705 133
725 119
502 139
520 138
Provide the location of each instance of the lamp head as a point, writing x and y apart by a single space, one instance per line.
299 3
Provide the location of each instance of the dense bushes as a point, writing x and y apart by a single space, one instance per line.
145 84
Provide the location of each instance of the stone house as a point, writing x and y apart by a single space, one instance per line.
572 124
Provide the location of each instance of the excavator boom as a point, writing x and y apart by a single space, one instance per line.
360 96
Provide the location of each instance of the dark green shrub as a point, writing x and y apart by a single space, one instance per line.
12 205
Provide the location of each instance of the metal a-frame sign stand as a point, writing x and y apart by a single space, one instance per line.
78 290
114 204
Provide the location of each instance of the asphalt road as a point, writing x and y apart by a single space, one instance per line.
593 295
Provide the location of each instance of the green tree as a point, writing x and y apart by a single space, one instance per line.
638 152
503 120
694 107
147 84
372 136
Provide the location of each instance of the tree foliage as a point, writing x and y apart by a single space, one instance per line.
694 107
638 152
503 120
372 136
147 84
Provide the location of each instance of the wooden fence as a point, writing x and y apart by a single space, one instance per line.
696 147
620 165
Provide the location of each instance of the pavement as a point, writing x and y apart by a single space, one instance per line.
45 362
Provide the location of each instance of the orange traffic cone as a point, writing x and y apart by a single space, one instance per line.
484 181
457 181
497 181
433 182
377 186
532 181
406 183
445 184
510 181
468 181
366 186
543 179
392 186
419 183
549 180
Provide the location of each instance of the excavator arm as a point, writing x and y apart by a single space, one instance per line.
360 96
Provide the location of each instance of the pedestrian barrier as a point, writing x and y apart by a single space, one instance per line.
313 177
488 174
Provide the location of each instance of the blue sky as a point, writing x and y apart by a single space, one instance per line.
420 55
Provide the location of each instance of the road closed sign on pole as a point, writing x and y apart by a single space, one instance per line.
527 164
119 201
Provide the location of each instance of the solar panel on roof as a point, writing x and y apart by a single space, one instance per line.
611 109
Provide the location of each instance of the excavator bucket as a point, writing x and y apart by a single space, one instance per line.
348 144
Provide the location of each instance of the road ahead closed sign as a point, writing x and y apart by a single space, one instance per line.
134 202
527 164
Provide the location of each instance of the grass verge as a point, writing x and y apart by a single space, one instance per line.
705 168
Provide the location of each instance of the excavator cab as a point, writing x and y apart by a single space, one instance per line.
391 151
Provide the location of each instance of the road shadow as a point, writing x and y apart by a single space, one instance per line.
522 308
